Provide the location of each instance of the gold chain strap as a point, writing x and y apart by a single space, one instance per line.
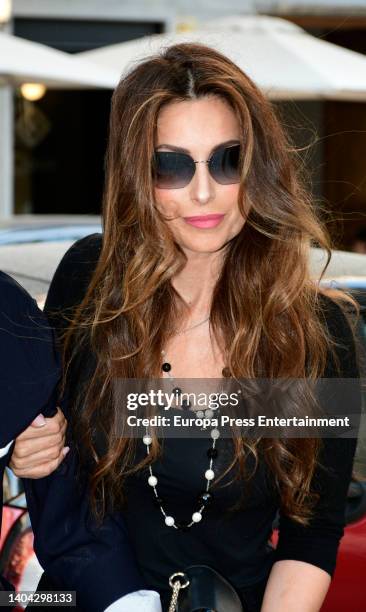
176 585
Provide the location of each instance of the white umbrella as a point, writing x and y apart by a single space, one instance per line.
280 51
25 61
284 61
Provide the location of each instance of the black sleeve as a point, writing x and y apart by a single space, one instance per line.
318 543
71 280
76 553
30 365
66 292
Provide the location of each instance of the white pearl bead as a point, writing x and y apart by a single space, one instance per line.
200 414
153 481
147 440
196 517
169 521
208 413
215 434
209 474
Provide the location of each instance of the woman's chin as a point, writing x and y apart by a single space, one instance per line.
203 246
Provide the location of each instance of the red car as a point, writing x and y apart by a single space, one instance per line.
18 563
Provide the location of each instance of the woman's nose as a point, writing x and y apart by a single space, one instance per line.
202 186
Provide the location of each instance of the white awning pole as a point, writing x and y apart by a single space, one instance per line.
6 152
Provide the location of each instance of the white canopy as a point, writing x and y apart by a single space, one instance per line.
25 61
285 61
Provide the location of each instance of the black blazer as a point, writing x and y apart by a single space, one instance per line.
29 367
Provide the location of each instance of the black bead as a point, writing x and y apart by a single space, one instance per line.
182 525
177 390
205 499
158 501
212 453
226 372
166 367
185 404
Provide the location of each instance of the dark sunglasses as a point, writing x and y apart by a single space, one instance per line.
173 170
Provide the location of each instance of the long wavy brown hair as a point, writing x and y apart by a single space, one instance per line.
265 306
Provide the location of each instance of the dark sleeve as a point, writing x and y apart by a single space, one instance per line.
96 561
29 363
71 280
318 543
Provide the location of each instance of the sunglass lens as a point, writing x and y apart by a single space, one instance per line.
224 165
172 170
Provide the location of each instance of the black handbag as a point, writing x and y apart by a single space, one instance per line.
200 588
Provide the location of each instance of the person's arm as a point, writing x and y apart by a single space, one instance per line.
305 557
30 366
29 373
78 554
295 586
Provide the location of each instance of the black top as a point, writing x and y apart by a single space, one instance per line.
236 544
29 364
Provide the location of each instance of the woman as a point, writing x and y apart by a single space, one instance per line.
201 272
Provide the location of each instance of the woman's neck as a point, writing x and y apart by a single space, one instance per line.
195 283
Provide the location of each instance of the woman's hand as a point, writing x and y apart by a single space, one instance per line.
40 449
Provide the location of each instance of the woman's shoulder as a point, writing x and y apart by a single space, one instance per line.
83 253
345 330
73 273
338 313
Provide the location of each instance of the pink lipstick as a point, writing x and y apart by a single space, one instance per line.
204 221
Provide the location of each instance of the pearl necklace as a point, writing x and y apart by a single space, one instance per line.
205 499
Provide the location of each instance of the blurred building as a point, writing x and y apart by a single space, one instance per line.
59 157
340 168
